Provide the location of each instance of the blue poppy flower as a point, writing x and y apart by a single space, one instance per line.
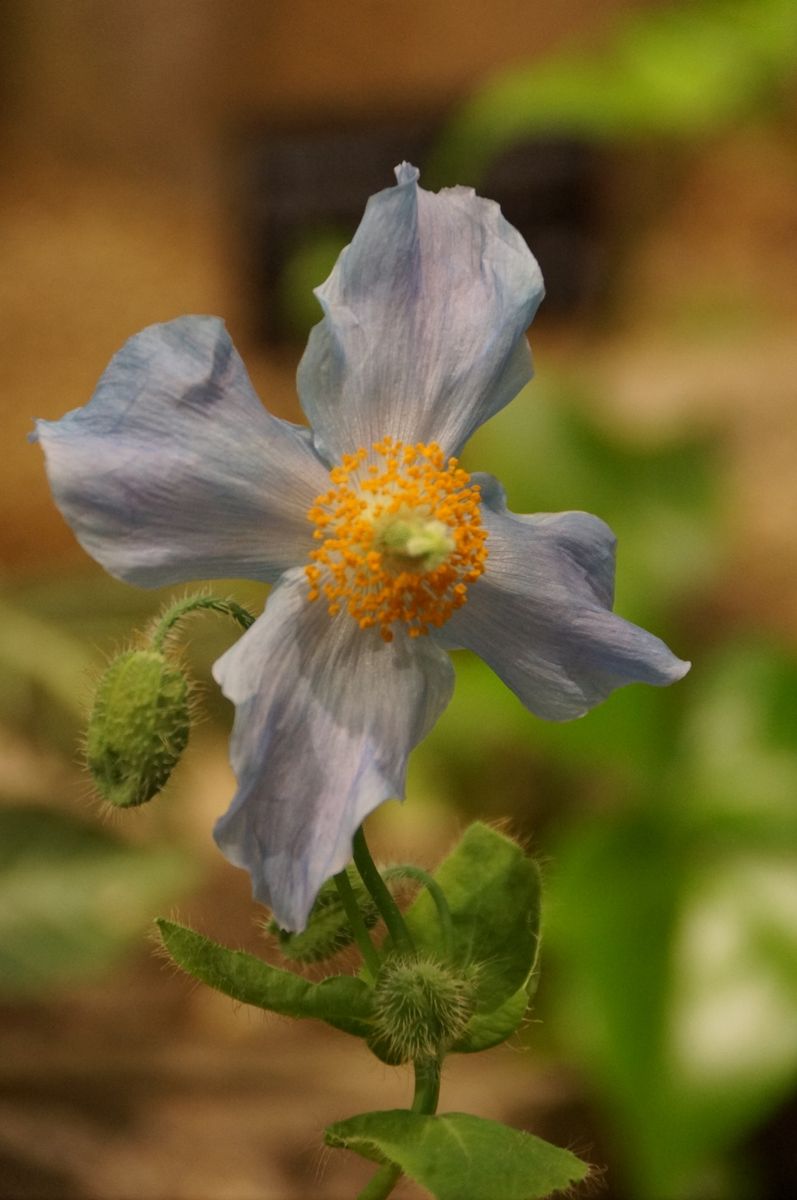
383 552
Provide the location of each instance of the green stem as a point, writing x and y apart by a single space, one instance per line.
427 1093
381 896
381 1185
358 927
427 1086
189 604
410 871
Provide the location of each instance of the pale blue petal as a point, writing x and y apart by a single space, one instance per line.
541 614
326 715
175 471
423 336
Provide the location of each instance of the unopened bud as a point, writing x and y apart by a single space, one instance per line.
328 929
138 728
421 1007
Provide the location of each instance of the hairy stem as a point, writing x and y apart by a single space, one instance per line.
197 603
410 871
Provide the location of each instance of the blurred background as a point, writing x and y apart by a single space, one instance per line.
213 156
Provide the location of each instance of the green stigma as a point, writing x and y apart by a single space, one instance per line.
414 542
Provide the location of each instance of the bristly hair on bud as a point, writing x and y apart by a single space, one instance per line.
328 929
139 726
421 1007
141 717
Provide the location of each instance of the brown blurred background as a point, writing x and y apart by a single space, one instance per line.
126 135
121 122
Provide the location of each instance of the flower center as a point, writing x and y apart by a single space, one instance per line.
401 537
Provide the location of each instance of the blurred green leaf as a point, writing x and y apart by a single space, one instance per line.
661 501
73 898
612 919
491 743
674 926
39 653
310 263
51 633
738 756
732 1026
681 71
460 1157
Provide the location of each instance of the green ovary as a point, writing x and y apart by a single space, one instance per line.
413 542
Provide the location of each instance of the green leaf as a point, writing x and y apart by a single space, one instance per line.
737 755
493 891
73 898
675 988
343 1001
460 1157
36 651
488 1029
613 921
735 952
551 453
679 72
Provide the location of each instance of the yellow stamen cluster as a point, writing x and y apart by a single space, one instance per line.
401 538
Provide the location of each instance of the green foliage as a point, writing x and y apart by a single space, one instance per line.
328 930
459 1157
73 898
36 653
617 884
552 455
737 750
493 893
421 1003
343 1001
681 71
455 981
676 985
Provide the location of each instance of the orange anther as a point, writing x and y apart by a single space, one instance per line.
387 505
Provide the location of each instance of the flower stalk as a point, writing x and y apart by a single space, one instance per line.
198 603
427 1093
358 926
410 871
380 894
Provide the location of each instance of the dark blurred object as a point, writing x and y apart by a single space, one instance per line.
773 1149
548 188
303 193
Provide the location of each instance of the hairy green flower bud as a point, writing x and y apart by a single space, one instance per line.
138 727
421 1007
328 929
